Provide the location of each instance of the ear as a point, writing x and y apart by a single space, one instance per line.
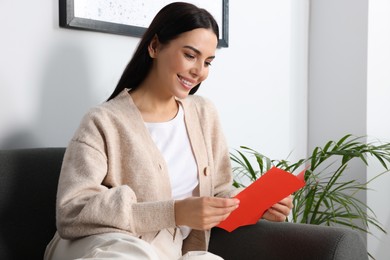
153 47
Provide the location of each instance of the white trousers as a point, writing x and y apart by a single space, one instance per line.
121 246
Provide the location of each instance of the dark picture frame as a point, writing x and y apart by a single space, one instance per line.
71 18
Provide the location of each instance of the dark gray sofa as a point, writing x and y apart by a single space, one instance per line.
28 182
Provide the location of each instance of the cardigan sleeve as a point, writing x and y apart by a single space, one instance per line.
87 205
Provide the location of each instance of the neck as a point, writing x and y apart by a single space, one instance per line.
153 105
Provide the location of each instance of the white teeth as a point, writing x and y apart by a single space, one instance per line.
186 82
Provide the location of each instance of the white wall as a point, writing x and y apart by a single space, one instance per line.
337 69
49 76
378 120
251 81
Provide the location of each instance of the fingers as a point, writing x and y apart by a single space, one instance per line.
220 211
288 202
218 208
205 212
221 202
274 215
284 206
280 210
213 221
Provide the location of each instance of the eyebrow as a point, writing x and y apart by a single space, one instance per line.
197 51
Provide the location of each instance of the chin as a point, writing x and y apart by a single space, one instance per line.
182 95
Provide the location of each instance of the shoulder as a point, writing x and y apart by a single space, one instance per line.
115 109
107 117
100 114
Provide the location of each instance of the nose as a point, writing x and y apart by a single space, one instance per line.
199 70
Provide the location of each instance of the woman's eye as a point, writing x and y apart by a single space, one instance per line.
207 63
189 56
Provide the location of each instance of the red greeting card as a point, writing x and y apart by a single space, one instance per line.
262 194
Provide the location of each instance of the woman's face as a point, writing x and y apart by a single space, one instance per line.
184 62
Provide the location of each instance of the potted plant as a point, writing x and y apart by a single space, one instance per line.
329 195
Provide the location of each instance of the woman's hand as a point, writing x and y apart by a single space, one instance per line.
280 210
203 213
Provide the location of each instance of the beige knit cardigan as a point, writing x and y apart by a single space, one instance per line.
114 178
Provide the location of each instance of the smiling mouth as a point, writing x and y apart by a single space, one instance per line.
186 83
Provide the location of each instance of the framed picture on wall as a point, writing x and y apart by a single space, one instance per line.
131 17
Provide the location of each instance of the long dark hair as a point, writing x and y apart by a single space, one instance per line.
168 24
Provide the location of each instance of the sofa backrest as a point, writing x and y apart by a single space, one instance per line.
28 186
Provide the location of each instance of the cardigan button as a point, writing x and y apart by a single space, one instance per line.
159 166
206 171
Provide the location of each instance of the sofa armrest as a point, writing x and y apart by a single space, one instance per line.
28 188
271 240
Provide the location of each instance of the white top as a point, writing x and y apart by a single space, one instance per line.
172 140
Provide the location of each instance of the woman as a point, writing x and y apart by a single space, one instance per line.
147 174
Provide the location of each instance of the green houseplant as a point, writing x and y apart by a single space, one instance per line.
329 195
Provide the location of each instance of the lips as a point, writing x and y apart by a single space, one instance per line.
189 84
